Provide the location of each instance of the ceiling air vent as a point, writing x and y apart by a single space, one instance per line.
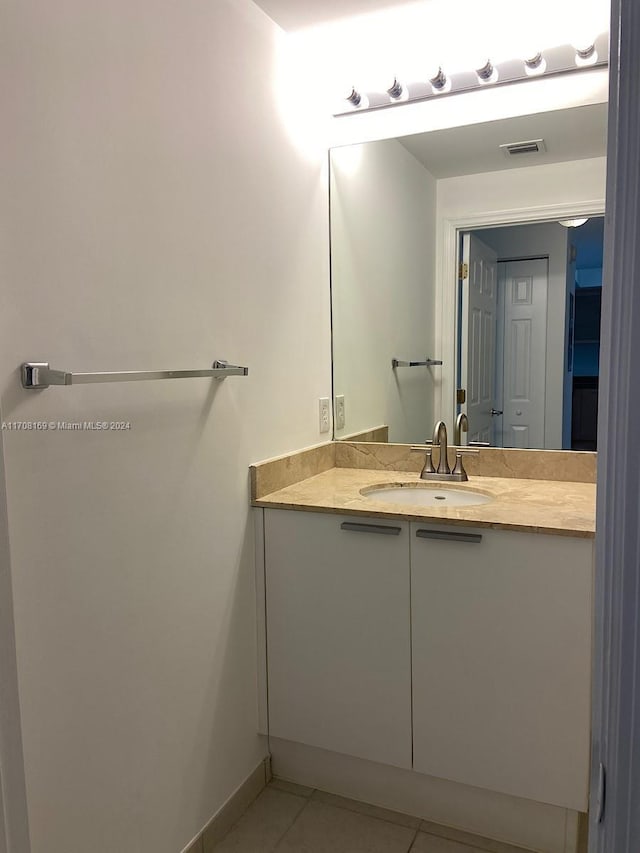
530 146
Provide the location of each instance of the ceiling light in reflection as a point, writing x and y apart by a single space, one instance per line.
573 223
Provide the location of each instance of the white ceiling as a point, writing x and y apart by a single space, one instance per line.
572 134
298 14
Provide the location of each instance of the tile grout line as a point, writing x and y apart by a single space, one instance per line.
470 847
413 840
293 823
311 798
351 811
364 814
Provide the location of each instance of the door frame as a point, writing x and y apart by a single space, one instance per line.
448 233
616 692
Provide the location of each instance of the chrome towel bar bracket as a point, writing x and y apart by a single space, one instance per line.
38 375
428 362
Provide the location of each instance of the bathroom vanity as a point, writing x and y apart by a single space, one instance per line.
451 644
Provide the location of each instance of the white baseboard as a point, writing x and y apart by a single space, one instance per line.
512 820
230 812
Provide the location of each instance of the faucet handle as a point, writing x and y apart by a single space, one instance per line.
458 469
427 468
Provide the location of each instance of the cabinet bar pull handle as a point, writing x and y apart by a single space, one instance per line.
472 538
370 528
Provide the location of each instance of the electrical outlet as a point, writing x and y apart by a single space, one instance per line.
339 410
323 412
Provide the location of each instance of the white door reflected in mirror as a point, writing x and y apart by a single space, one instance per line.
478 337
523 329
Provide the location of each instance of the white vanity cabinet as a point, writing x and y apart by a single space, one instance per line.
338 635
463 653
501 639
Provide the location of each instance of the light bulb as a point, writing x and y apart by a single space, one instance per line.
396 90
535 64
440 83
355 98
487 73
586 54
352 98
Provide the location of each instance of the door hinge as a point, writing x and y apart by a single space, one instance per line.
461 396
463 271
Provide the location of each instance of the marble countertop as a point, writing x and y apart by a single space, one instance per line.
534 506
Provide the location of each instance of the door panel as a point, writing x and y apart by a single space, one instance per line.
478 354
519 370
524 286
338 634
501 642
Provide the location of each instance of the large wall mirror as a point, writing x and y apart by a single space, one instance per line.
459 282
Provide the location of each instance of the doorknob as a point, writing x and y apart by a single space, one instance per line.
496 412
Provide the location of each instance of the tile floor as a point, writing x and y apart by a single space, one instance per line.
288 818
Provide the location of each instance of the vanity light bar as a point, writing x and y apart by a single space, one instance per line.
563 59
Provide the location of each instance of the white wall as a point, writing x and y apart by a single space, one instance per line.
14 831
155 214
382 268
551 240
531 186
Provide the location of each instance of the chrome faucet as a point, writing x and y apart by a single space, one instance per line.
462 425
443 471
440 440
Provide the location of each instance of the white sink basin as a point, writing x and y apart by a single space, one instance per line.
429 494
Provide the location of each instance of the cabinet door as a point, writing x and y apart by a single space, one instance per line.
501 630
338 635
